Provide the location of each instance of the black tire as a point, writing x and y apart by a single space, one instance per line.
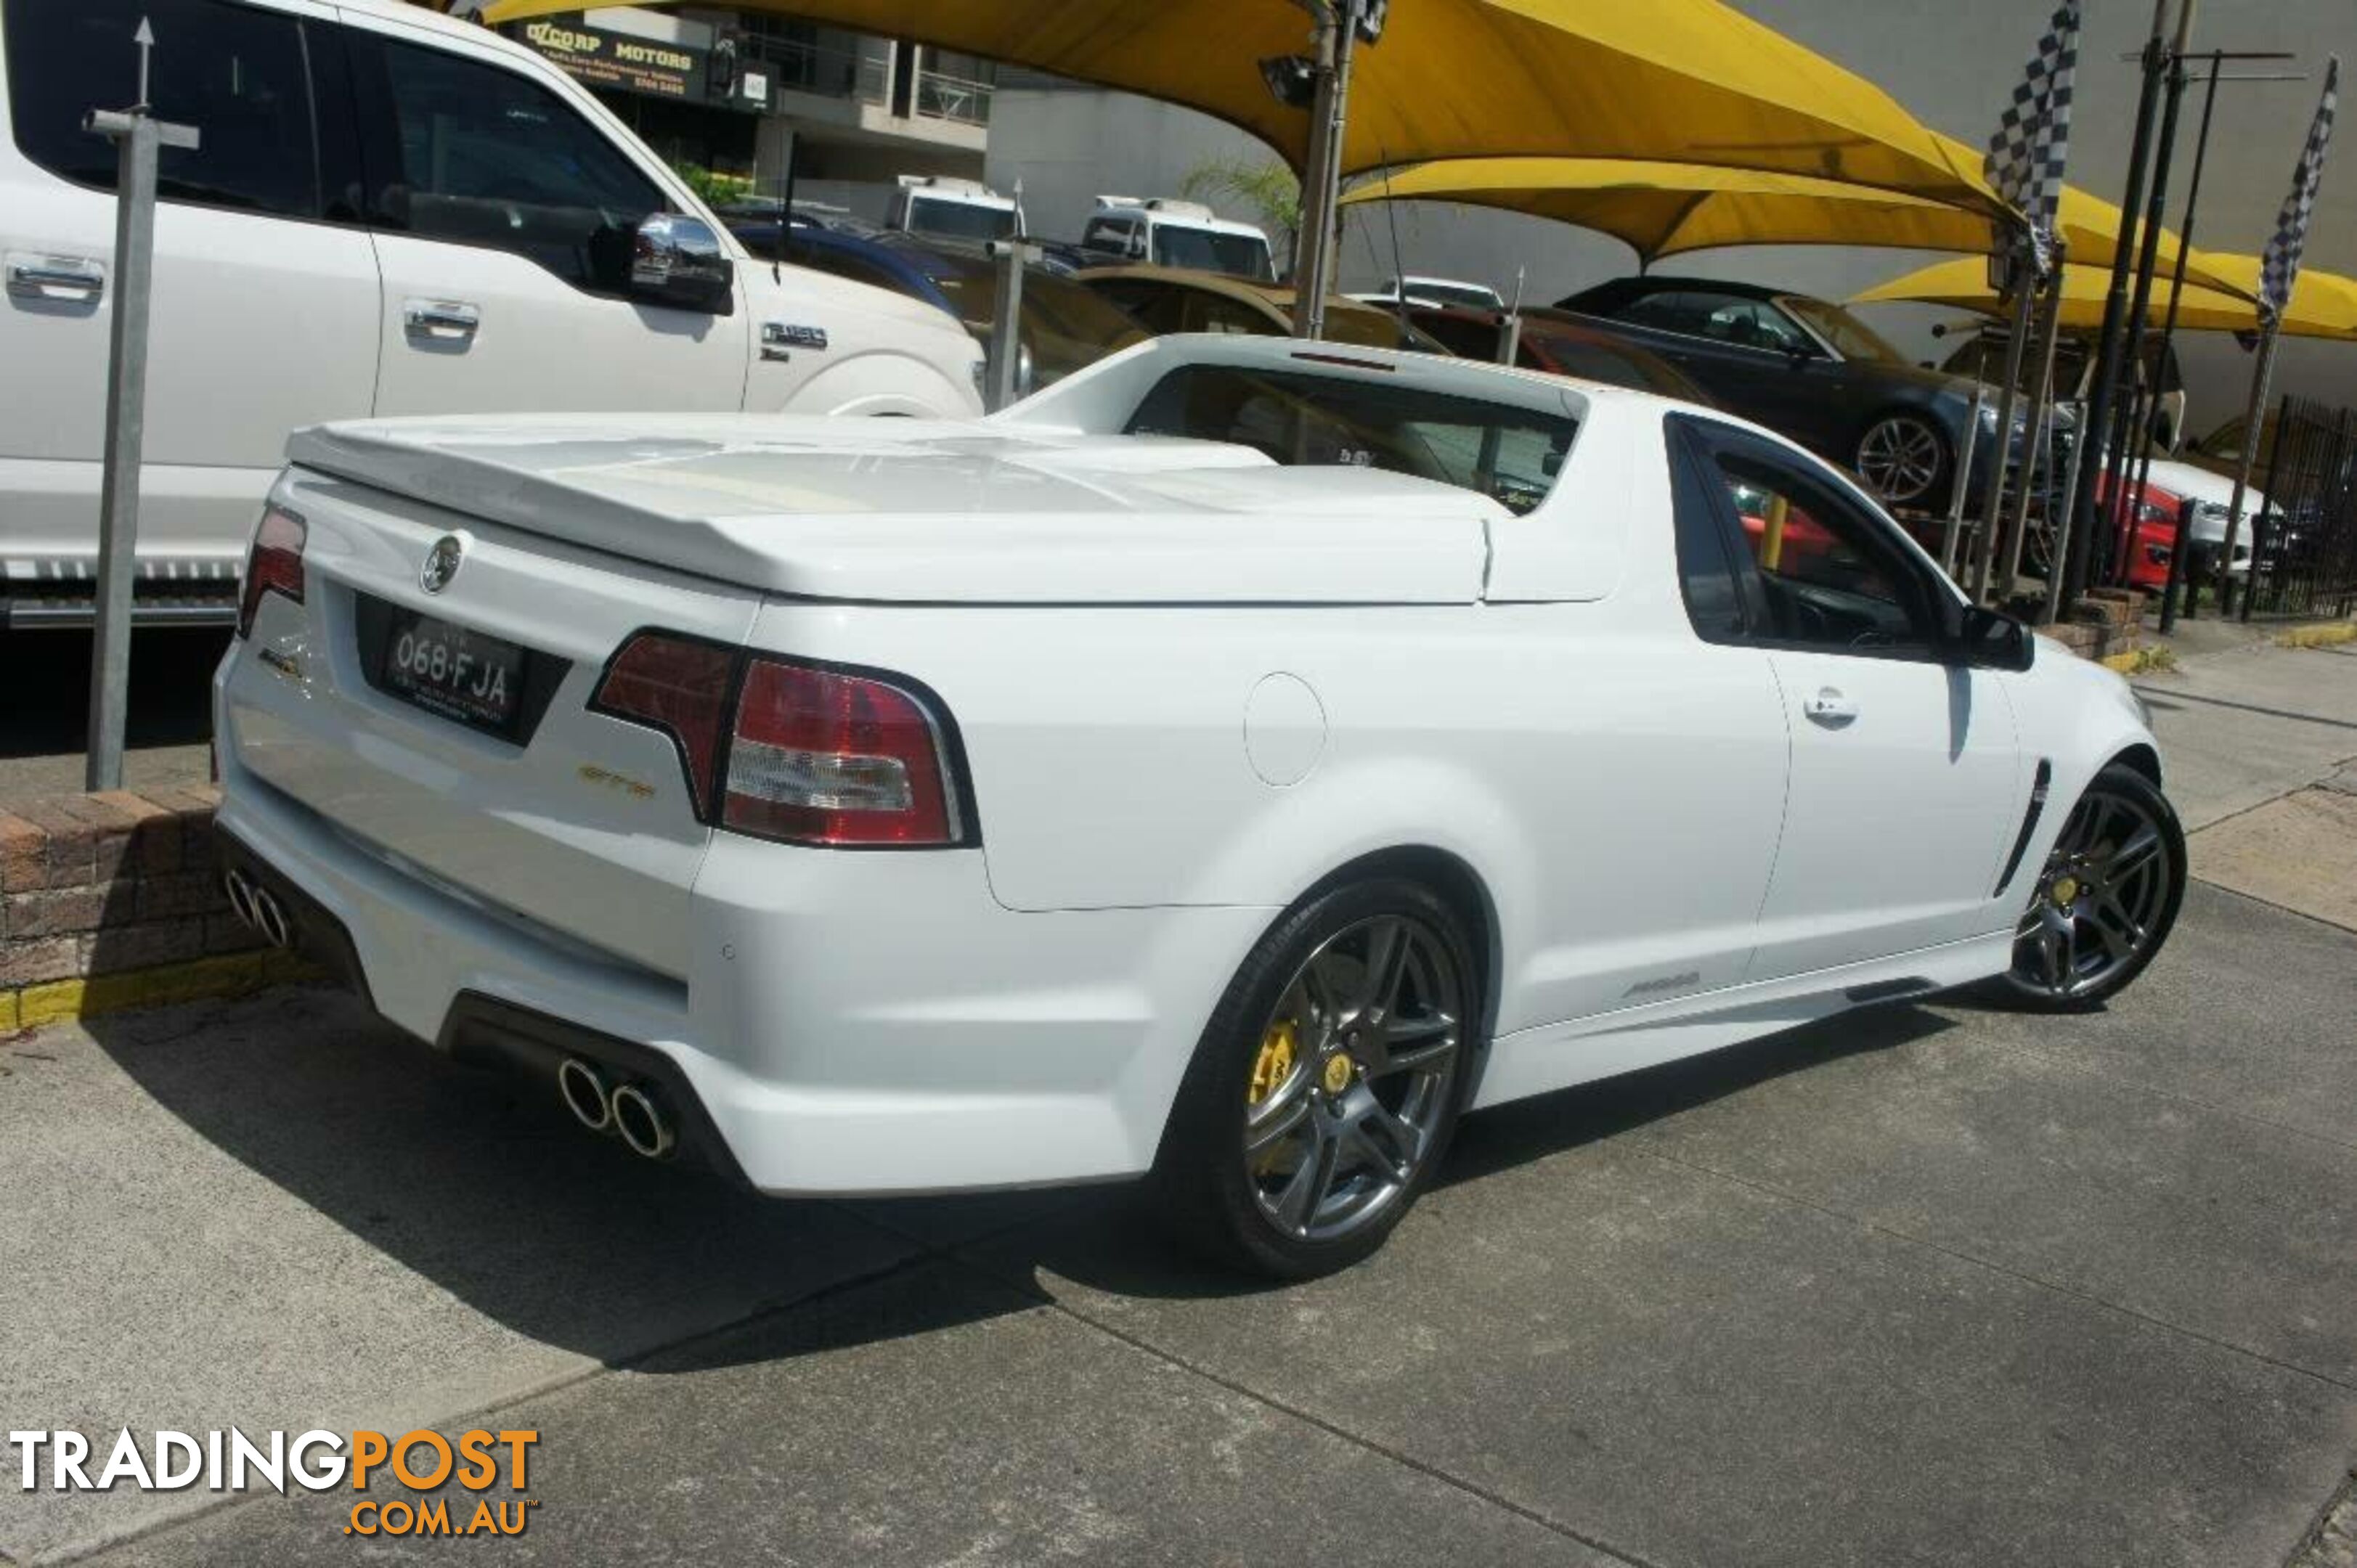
1203 1183
2147 908
1909 440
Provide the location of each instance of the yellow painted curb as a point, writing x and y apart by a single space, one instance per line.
2325 634
63 1000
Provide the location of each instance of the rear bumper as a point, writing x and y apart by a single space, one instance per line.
852 1023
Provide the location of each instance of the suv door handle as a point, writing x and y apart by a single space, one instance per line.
1829 707
441 320
55 277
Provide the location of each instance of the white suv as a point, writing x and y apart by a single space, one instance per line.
1172 233
390 214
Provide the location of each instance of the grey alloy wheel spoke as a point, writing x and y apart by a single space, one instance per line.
2141 849
1388 944
1305 1190
1279 1116
1411 1045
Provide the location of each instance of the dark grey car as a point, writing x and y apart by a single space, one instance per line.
1809 370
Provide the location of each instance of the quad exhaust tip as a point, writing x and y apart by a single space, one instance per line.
627 1110
259 908
641 1122
586 1095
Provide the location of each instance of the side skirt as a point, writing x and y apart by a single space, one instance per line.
1557 1056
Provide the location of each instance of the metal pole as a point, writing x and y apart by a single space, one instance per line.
139 139
1963 482
2041 430
2176 583
2261 380
2017 345
2062 528
2086 531
138 144
1005 355
2136 418
1320 181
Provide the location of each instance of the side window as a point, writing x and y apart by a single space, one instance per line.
480 155
1830 575
1665 312
1705 569
1110 235
238 74
1746 323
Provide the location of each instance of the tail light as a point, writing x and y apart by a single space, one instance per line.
274 566
795 752
679 686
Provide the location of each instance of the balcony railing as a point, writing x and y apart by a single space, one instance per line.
865 76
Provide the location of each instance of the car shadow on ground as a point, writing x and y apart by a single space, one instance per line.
481 1184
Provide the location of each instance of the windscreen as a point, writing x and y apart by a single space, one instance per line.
960 220
1300 418
1851 339
1440 293
1206 249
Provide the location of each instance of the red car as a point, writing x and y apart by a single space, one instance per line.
2155 531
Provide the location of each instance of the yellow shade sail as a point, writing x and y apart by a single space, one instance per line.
1688 81
1667 209
2317 310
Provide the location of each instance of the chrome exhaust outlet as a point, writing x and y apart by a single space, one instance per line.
641 1122
583 1088
269 919
239 893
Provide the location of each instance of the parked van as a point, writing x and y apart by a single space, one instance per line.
1169 233
943 207
390 214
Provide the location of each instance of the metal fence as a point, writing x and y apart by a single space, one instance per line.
2305 552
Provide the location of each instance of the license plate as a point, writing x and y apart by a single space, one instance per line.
459 674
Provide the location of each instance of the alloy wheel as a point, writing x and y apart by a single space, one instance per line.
1900 457
2103 899
1355 1077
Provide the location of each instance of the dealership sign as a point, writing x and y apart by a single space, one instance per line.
613 59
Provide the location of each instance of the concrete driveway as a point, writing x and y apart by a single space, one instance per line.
1932 1284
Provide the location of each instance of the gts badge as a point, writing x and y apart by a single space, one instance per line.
606 778
781 338
1665 985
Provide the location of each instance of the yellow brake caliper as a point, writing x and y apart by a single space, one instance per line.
1274 1063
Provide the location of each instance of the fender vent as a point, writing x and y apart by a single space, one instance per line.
2028 825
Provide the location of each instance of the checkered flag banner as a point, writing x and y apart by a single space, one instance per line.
2279 269
2032 145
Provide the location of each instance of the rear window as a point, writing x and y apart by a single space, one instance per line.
1301 419
239 75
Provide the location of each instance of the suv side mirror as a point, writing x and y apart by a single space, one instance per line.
1989 640
677 261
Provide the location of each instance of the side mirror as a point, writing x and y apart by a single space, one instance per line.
677 261
1989 640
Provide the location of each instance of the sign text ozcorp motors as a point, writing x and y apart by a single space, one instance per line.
613 59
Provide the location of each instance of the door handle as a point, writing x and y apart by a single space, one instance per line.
55 277
1829 706
441 320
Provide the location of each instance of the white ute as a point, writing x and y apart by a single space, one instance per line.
1231 763
390 214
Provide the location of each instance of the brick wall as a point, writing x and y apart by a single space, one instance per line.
100 885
